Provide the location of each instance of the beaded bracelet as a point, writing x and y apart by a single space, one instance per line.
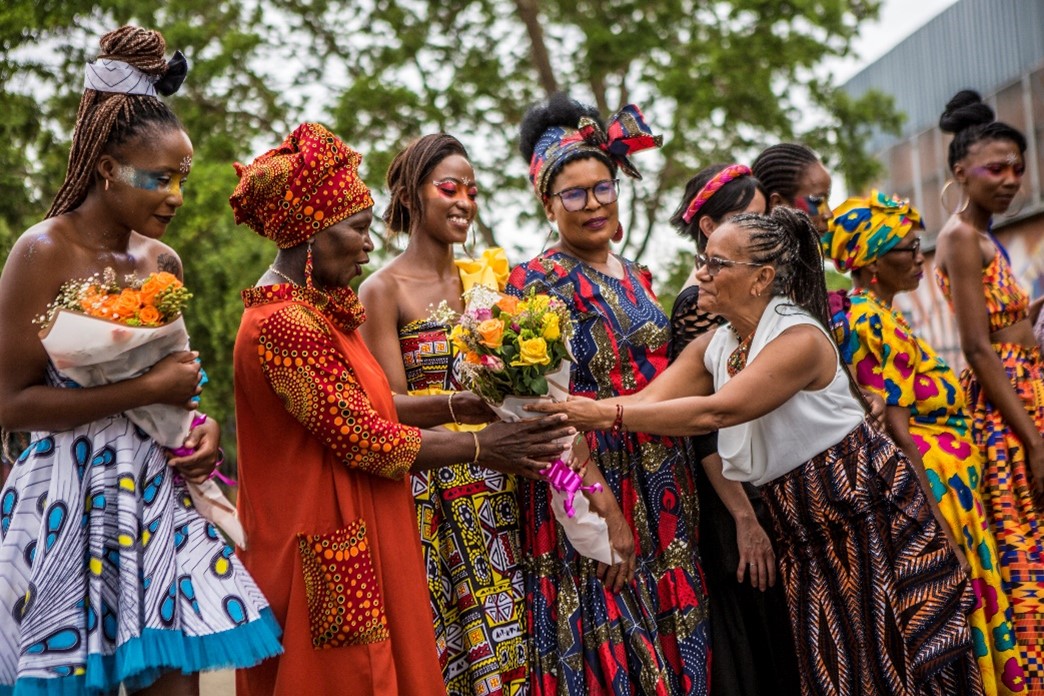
618 424
478 448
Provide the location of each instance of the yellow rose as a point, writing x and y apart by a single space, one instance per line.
551 331
532 351
491 333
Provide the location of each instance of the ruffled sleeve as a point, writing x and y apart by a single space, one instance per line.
303 364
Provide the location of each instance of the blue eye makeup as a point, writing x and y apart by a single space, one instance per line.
147 180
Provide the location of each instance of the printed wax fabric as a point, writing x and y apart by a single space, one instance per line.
877 599
1014 510
468 520
903 370
652 637
750 629
108 574
320 450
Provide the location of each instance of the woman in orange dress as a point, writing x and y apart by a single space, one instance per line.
323 457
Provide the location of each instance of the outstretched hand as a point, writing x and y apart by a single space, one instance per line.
583 413
524 448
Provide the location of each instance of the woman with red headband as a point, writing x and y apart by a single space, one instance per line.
750 630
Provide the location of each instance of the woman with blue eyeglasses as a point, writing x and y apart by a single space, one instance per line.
639 626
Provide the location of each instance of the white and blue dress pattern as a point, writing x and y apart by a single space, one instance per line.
109 575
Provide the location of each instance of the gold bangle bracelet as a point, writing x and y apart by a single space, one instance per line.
449 402
478 448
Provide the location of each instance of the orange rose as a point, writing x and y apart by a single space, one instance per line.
508 303
156 284
473 357
149 316
491 332
107 307
127 303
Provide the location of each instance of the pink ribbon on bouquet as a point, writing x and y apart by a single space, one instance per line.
563 479
208 499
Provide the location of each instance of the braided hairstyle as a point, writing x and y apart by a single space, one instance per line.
408 173
786 239
972 121
779 168
733 196
558 110
107 120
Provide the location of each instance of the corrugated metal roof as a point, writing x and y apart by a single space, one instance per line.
978 44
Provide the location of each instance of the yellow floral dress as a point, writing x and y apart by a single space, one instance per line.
887 358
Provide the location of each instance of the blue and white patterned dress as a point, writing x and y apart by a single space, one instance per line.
109 575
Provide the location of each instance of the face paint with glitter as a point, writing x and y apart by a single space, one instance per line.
162 181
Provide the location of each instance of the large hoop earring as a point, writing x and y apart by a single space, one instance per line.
1010 213
469 246
942 200
547 240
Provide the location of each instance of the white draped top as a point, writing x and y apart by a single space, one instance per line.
808 423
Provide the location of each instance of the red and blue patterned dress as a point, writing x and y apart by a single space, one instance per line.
652 637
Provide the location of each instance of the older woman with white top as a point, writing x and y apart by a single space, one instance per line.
876 597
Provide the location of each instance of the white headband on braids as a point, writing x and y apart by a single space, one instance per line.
104 75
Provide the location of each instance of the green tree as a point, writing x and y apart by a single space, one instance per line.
718 79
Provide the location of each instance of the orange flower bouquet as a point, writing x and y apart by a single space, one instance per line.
98 331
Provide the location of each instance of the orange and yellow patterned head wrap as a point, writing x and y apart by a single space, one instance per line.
293 192
864 228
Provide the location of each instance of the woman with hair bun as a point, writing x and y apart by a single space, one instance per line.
750 630
1004 378
109 575
640 625
877 599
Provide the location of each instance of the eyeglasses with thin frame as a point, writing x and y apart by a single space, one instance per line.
453 188
714 264
574 198
913 250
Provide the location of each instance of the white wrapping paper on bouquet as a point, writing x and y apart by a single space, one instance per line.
92 352
586 530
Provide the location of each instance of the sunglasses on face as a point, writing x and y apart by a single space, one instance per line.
913 250
452 188
714 264
574 198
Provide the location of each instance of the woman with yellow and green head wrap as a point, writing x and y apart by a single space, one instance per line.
878 240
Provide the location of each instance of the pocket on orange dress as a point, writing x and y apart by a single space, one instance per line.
344 599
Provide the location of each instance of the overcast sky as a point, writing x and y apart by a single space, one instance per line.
898 19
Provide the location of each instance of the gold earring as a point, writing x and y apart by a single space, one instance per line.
106 184
942 199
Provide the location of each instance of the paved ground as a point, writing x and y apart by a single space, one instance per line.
221 683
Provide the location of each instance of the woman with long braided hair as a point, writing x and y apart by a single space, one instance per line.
793 175
877 599
108 574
